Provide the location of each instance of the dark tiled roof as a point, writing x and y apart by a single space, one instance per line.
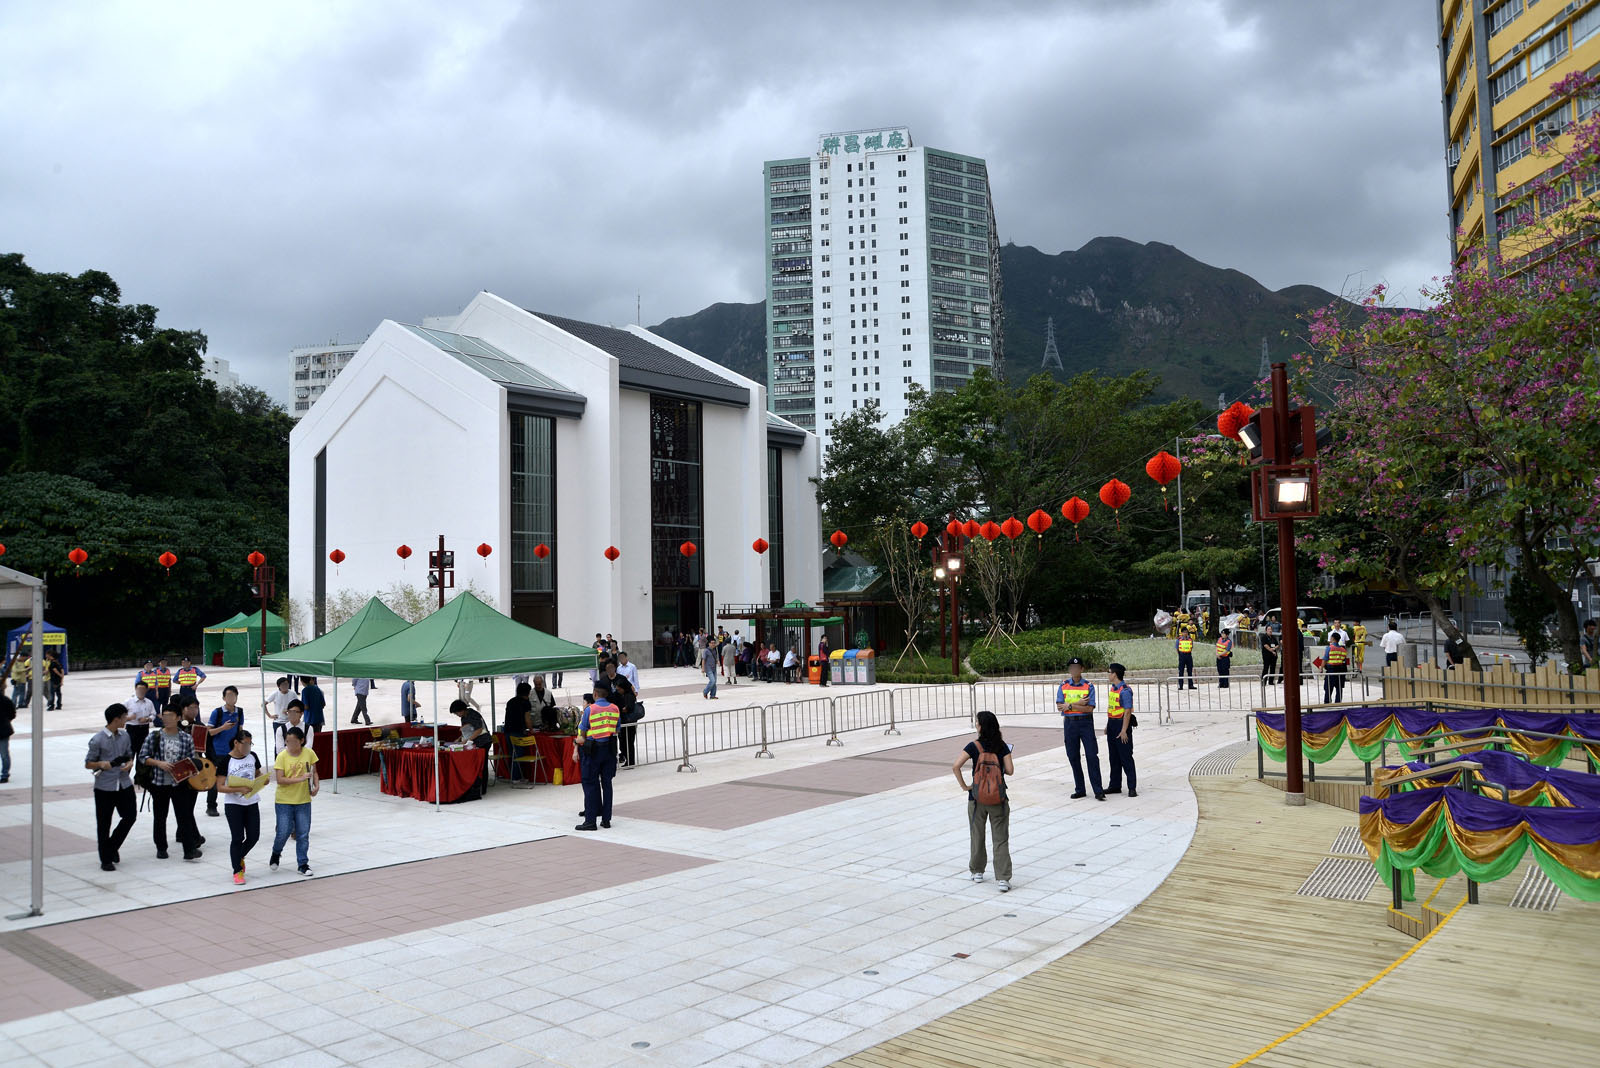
651 367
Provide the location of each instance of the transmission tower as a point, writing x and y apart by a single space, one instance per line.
1265 371
1052 357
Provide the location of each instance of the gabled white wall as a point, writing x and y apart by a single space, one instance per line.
398 424
589 589
802 522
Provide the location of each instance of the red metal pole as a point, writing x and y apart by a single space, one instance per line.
955 626
1287 586
441 570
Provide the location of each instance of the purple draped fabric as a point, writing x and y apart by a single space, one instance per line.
1415 721
1564 826
1516 773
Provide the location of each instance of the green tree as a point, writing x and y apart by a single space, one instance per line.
112 439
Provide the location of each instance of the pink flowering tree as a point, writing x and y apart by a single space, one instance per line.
1468 432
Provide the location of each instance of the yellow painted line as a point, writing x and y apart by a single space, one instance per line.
1436 889
1357 992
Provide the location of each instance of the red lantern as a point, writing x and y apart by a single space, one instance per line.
1163 467
484 550
2 549
256 559
1114 494
612 552
404 552
1040 521
688 548
1012 528
541 550
337 556
1233 418
760 545
919 530
166 560
78 556
971 528
990 530
839 538
1076 511
953 528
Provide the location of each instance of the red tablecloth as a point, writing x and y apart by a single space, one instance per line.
354 756
559 751
409 773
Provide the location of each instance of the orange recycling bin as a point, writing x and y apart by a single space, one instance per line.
814 670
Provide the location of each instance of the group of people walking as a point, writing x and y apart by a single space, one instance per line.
162 760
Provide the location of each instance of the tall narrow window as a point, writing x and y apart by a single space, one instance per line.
533 520
676 514
775 524
319 507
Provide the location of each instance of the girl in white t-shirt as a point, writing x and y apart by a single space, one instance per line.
241 805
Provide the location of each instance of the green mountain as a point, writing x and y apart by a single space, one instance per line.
1118 306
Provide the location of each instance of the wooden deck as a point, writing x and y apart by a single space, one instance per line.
1224 958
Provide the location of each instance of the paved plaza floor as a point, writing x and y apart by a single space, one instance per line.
786 911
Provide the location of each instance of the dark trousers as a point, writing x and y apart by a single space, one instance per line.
1390 658
244 823
598 771
361 709
1186 667
1119 755
626 740
52 695
221 761
161 699
1078 731
1269 668
1332 687
108 803
181 799
827 669
137 733
1223 664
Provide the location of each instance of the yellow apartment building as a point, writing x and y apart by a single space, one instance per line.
1497 61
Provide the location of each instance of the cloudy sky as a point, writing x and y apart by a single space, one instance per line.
281 174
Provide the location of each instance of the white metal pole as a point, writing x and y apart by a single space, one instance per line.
1183 579
438 793
336 723
37 704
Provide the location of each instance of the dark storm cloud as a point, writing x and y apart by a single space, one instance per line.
278 175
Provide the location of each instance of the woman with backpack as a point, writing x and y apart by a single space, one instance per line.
986 798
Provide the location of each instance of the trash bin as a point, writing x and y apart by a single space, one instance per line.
849 665
867 668
814 669
836 667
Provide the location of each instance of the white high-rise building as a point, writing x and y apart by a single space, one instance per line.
313 367
883 270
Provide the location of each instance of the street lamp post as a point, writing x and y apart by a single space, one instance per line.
1284 490
952 567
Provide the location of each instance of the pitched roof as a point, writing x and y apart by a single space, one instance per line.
520 380
652 368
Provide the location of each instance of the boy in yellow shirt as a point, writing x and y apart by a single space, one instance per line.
295 773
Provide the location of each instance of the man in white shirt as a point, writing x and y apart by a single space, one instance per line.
1336 630
791 660
1391 642
628 670
141 714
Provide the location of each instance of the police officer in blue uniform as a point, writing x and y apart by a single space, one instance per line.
1075 702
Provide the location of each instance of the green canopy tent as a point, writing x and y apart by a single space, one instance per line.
238 638
322 657
465 639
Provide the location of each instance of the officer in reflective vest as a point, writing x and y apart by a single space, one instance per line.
1075 702
1185 647
597 735
189 679
1333 670
147 675
163 688
1119 732
1224 658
